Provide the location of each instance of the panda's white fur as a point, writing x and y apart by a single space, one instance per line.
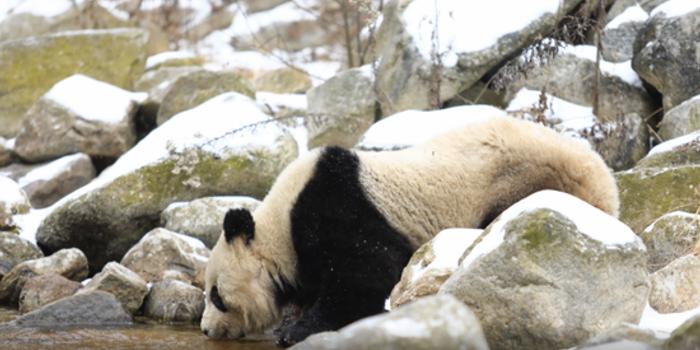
463 178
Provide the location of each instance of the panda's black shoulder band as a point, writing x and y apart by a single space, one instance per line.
239 222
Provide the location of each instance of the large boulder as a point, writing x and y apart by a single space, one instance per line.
162 255
31 66
681 120
435 322
341 109
661 182
203 218
69 263
174 301
127 286
669 237
666 51
209 150
550 272
79 114
617 44
45 289
190 90
431 265
15 250
283 81
430 50
14 201
676 288
93 309
157 83
46 183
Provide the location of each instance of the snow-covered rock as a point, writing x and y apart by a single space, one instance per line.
431 265
434 322
619 34
203 218
224 146
173 59
669 237
455 42
162 255
553 260
13 201
409 128
664 324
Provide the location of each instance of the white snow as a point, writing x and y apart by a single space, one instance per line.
672 144
448 247
562 114
11 193
622 70
419 126
158 59
94 100
405 328
51 169
589 220
631 14
468 26
664 324
42 8
29 223
675 8
293 11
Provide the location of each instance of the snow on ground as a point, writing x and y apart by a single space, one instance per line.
40 8
455 18
158 59
631 14
675 8
293 11
672 144
11 192
564 115
29 223
448 247
664 324
51 169
589 220
622 70
94 100
419 126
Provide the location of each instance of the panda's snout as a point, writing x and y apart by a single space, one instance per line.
206 332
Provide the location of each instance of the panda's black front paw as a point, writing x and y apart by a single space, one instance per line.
292 334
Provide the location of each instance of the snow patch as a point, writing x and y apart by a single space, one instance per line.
448 246
679 214
158 59
94 100
672 144
631 14
29 223
564 115
42 8
589 220
11 193
665 323
293 11
446 23
52 169
405 328
675 8
419 126
622 70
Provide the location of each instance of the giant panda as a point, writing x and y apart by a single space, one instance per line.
338 226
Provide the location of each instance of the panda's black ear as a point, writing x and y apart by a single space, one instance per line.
239 222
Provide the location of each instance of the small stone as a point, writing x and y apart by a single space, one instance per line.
128 287
15 250
41 290
174 301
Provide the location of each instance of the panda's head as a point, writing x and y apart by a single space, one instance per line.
240 291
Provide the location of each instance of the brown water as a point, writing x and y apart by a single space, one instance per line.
139 336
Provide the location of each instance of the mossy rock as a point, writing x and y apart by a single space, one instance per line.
106 222
31 66
191 90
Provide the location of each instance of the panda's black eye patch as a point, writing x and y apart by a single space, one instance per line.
216 299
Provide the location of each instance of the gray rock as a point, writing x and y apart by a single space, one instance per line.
46 183
41 290
174 301
617 43
6 153
341 109
157 82
406 76
554 284
181 160
15 250
681 120
13 201
619 6
676 288
68 120
190 90
685 337
203 218
93 309
621 142
670 237
33 65
666 56
434 322
283 81
127 286
162 255
431 265
69 263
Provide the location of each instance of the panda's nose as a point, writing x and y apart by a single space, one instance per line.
206 332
